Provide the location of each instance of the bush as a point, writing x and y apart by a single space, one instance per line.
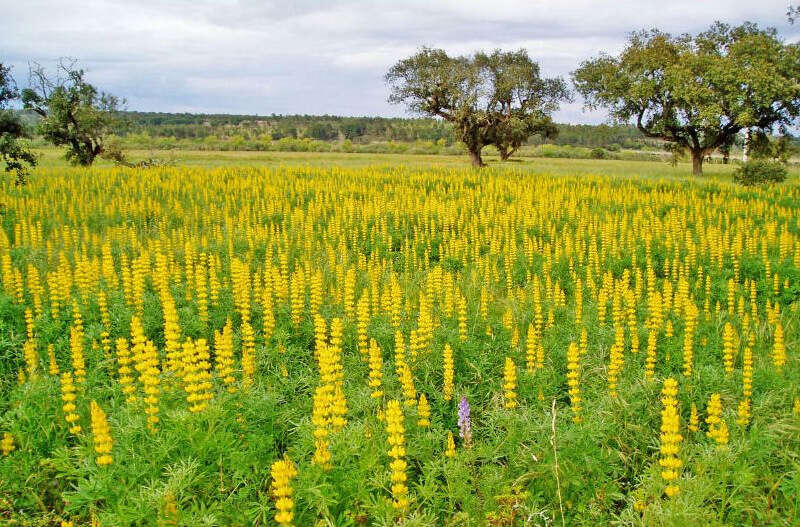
597 153
758 172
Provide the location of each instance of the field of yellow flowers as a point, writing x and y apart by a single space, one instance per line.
372 346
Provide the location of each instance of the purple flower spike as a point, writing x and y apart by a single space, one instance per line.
464 422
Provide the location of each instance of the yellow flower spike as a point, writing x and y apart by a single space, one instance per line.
423 412
652 358
53 368
573 381
462 318
248 353
616 361
717 427
670 438
510 383
450 450
363 323
298 297
321 419
149 377
268 317
407 382
68 397
728 347
688 339
223 354
395 430
375 369
77 345
124 371
743 412
101 435
283 472
531 347
778 348
747 372
448 372
31 359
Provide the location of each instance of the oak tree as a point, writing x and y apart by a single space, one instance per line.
697 92
74 113
495 99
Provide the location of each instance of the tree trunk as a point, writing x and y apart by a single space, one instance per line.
746 149
697 162
475 157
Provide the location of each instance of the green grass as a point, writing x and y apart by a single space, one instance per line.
556 166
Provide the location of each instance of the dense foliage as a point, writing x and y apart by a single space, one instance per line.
251 346
496 98
73 112
698 92
16 156
760 172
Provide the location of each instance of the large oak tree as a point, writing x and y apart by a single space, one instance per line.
492 99
74 113
697 92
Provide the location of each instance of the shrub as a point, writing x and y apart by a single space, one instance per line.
759 172
597 153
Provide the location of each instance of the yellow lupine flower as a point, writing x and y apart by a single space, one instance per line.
728 347
423 412
375 369
778 348
320 418
670 438
573 381
510 383
101 435
717 427
397 451
283 472
450 450
7 444
68 397
223 354
448 372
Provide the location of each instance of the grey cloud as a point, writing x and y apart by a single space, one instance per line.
252 56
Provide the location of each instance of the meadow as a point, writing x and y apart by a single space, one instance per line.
347 339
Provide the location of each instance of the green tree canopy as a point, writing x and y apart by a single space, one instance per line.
492 99
16 156
74 113
697 92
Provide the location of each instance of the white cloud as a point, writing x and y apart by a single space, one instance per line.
252 56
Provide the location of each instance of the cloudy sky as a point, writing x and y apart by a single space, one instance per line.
301 56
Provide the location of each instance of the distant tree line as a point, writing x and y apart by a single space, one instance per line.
356 129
